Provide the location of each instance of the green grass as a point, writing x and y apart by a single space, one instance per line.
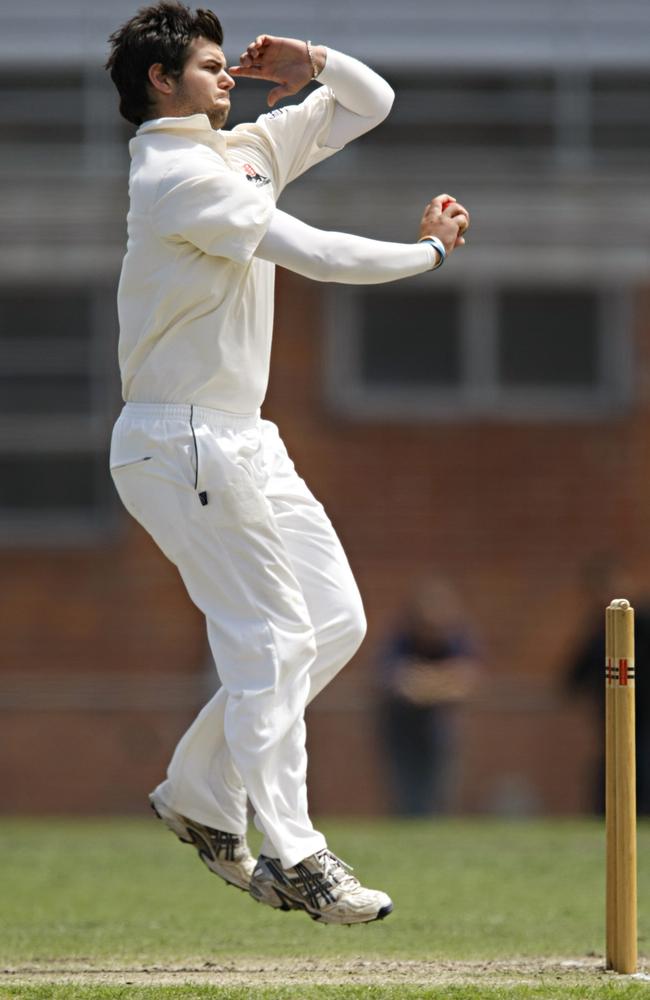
622 991
97 893
127 890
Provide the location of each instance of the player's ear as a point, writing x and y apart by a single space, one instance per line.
159 79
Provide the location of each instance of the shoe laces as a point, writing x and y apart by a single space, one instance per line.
339 871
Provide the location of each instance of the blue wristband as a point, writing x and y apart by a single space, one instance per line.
437 245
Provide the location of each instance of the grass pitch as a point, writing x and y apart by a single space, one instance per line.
483 909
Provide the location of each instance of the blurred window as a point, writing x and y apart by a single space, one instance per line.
406 352
43 107
530 351
57 396
61 120
621 112
456 109
393 349
535 115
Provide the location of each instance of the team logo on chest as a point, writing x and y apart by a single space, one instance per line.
252 175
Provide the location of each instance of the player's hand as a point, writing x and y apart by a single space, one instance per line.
285 61
445 218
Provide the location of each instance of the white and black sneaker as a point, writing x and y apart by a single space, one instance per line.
225 854
322 885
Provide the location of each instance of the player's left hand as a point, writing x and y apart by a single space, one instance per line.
284 61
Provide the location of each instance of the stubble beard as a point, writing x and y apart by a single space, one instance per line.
218 117
215 115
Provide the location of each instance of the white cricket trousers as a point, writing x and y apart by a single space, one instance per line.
258 555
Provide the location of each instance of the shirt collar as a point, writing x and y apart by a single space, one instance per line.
196 125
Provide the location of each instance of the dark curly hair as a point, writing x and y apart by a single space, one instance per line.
162 34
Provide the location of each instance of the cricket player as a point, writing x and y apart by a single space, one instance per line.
191 457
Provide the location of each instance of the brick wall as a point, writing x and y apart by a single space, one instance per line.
509 511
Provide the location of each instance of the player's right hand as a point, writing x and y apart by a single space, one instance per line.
445 218
284 61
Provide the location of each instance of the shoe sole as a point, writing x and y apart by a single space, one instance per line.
288 903
195 840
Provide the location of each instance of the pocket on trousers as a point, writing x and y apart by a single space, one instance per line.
127 475
129 462
154 501
231 493
241 501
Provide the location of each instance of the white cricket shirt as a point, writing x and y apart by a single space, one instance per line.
195 307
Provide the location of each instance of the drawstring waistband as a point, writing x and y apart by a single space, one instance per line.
194 415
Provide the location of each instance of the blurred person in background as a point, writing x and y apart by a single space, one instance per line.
191 457
604 579
429 667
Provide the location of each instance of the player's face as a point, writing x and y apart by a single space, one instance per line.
204 87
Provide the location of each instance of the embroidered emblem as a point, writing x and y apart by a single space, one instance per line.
252 175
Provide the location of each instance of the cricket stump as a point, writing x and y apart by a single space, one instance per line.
620 788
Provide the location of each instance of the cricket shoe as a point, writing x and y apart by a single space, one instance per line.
225 854
322 885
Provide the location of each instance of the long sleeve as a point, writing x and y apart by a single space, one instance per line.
341 257
363 98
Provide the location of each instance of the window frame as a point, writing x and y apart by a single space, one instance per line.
69 434
479 395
